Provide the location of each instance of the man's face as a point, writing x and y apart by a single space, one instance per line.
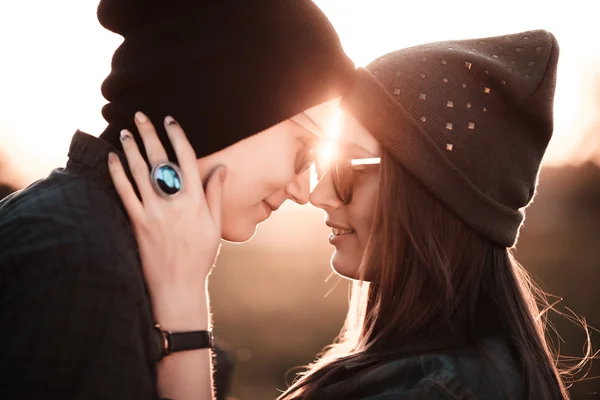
264 170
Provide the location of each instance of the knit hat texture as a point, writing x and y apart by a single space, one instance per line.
224 70
470 119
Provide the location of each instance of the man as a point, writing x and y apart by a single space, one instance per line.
76 321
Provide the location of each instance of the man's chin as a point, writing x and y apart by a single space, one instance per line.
239 234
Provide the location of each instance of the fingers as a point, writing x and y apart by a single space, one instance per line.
214 194
132 204
137 165
185 155
154 148
156 154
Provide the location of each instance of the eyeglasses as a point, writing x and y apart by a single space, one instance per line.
344 172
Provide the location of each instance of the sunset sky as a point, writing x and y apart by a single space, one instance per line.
55 56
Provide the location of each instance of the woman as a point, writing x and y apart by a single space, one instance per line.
448 313
446 139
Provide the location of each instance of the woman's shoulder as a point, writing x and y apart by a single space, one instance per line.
487 370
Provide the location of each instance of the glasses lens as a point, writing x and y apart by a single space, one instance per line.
342 180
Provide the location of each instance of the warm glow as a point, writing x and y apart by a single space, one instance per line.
371 28
326 152
336 124
328 147
53 66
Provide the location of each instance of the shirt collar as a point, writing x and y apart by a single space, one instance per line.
92 152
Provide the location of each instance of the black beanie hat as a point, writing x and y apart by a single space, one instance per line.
469 119
224 70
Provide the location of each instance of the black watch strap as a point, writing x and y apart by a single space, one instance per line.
193 340
171 342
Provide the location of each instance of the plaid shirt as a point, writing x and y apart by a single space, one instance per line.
75 319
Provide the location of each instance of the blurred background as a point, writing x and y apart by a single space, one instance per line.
275 302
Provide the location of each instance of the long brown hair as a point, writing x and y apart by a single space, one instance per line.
430 273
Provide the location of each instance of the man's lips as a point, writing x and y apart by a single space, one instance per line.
272 207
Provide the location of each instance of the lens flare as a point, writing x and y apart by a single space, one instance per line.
327 149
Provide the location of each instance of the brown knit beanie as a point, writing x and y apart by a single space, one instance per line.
223 69
469 119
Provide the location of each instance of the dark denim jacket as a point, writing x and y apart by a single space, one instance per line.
486 372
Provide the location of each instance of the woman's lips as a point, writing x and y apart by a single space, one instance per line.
339 234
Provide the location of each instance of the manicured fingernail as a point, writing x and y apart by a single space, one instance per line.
140 117
170 120
125 135
112 157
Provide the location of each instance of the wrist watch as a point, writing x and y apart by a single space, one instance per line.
167 342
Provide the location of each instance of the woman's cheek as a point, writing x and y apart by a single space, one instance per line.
362 208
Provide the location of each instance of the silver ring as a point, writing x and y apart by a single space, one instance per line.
167 179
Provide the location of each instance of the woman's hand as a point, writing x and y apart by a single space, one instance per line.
178 236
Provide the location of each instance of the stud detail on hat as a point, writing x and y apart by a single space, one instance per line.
484 109
464 85
538 49
449 125
423 59
468 105
396 92
486 72
423 119
471 125
422 75
445 80
518 50
468 65
487 90
443 62
525 37
499 47
450 103
513 62
509 69
495 55
422 96
531 63
526 76
503 82
449 146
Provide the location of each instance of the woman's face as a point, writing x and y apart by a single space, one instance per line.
266 169
351 223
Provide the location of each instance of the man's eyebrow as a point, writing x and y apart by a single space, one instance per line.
312 142
308 123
